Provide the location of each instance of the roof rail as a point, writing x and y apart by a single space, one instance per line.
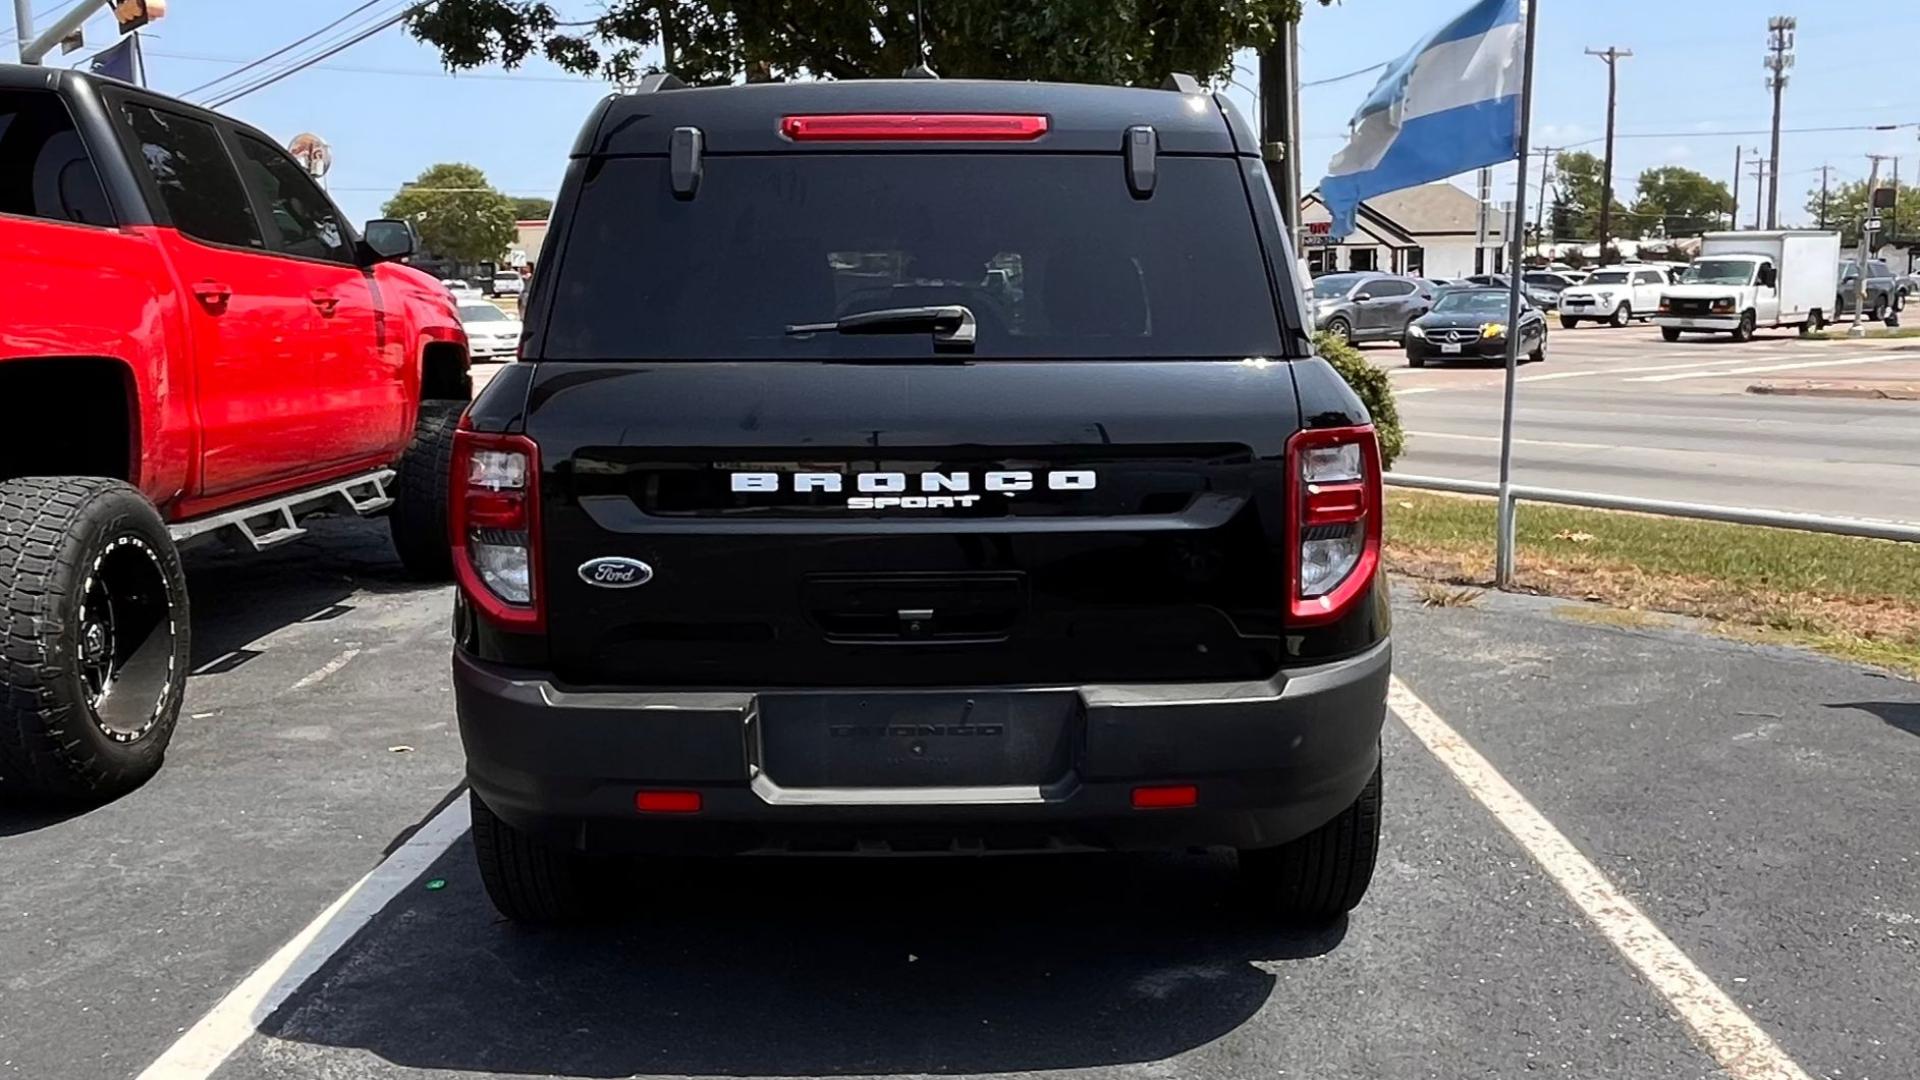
1183 83
659 80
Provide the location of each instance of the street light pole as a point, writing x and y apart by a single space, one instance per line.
1866 250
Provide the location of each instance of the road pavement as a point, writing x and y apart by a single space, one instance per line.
1754 803
1622 412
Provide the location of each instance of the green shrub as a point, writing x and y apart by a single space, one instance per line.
1374 388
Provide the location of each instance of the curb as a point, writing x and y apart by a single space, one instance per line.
1863 393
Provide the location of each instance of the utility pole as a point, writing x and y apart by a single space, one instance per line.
1866 249
1612 56
1485 199
1280 123
1779 58
1733 218
1824 170
1759 196
1540 210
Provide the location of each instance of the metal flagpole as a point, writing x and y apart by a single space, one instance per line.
1503 542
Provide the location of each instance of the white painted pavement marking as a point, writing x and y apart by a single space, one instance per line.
1761 369
1517 442
208 1044
1721 1027
327 670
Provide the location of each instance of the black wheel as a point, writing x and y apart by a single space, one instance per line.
1539 354
1325 873
1879 311
418 519
1568 322
1622 315
1415 360
1340 328
533 882
1670 333
1744 332
1814 324
95 642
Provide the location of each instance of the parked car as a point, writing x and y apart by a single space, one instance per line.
508 283
1746 280
196 345
1883 292
1545 286
1359 307
1471 324
463 291
492 334
1615 295
1539 296
757 566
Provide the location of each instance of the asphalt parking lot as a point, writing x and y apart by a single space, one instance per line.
1756 805
1622 412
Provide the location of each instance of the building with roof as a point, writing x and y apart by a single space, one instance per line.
1427 231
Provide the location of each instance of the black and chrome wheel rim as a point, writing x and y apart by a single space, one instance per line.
125 640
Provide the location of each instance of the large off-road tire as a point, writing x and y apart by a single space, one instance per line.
93 638
418 519
1324 874
533 882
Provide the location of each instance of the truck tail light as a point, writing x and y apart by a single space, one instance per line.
1333 547
914 127
494 521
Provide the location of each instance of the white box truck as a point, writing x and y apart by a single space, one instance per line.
1743 281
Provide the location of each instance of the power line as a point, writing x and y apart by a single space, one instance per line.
333 50
282 51
358 69
1348 75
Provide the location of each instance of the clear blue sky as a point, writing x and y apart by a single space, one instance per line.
390 111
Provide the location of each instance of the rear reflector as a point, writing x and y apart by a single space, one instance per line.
667 802
1169 797
908 127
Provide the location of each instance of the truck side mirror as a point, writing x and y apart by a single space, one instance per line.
1766 277
390 239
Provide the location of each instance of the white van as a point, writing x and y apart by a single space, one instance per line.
1743 281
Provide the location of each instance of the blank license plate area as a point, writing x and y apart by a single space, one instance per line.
1450 349
917 740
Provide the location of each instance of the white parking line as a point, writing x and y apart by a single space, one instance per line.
209 1043
1517 442
327 670
1762 369
1721 1027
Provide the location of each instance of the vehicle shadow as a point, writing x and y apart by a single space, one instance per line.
239 597
813 967
1902 715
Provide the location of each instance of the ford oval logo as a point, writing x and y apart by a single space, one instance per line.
615 572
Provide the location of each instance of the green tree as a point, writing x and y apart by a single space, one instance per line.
1576 205
532 209
716 41
459 215
1374 388
1847 205
1674 201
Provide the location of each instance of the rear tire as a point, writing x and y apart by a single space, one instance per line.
94 645
1568 322
1814 324
1670 333
1622 315
531 882
1341 329
1324 874
418 520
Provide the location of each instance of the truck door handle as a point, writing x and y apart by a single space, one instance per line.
325 301
213 293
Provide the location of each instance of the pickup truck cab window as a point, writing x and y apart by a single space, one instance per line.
303 220
195 178
44 168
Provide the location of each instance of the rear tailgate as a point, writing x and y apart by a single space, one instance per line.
979 524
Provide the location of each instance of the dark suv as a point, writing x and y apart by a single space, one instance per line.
919 466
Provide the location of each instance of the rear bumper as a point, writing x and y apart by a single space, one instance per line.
1270 761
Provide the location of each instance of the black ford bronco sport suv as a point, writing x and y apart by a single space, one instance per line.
919 466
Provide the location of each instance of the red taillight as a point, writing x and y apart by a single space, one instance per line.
494 523
1165 797
667 802
1333 546
922 127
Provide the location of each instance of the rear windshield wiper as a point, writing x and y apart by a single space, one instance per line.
952 325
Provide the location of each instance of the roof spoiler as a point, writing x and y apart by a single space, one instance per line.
1183 83
656 82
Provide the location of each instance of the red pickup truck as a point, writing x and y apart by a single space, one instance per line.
194 344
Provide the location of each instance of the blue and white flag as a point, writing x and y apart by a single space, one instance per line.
1452 103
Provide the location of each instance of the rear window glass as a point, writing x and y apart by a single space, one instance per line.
44 170
1051 253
